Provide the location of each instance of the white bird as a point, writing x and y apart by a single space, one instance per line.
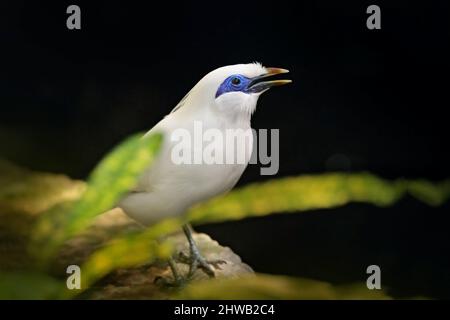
224 99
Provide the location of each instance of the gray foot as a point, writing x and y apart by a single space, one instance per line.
176 281
197 261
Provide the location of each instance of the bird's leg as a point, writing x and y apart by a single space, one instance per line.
196 260
173 267
177 279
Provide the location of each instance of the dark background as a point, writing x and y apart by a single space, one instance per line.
361 99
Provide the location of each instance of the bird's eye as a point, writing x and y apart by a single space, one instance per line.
236 81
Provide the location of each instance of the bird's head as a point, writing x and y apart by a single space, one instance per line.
233 91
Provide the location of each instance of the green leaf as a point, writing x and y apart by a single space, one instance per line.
294 194
309 192
115 175
428 192
29 285
261 286
128 251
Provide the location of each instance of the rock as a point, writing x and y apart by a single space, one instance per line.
24 194
105 227
139 283
211 250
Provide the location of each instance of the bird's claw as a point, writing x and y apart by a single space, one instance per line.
171 283
196 261
177 280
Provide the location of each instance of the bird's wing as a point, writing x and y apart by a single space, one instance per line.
182 101
143 185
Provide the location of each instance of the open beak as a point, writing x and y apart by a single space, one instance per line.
257 85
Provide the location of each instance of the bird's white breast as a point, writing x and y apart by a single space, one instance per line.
169 189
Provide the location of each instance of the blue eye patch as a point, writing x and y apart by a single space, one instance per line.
233 83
